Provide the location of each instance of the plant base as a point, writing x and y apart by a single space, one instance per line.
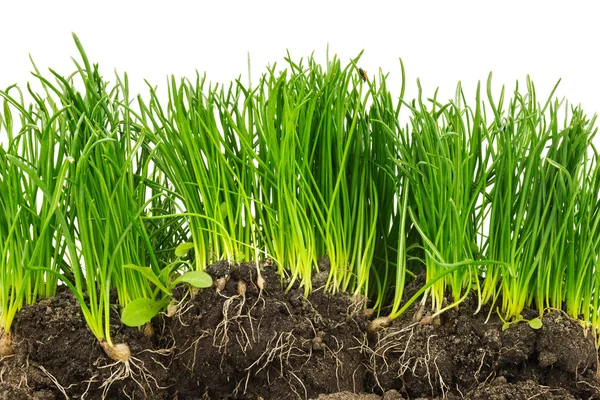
5 344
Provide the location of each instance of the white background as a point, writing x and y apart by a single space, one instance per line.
440 42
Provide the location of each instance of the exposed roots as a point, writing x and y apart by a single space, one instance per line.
287 355
394 354
280 348
236 311
165 352
62 389
221 335
194 345
133 369
126 366
357 305
180 308
7 374
89 382
338 362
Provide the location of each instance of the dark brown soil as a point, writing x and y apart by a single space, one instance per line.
55 352
463 356
229 344
272 345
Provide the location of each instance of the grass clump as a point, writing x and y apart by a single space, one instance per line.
315 169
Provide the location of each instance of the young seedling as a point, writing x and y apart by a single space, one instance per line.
535 323
140 311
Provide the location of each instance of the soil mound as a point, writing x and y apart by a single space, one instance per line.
240 343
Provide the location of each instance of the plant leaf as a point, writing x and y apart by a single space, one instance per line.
535 323
150 275
183 249
505 326
199 279
142 310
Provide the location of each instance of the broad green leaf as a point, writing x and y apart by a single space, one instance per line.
150 275
183 249
142 310
199 279
535 323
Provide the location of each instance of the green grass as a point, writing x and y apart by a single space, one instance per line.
76 174
28 233
495 197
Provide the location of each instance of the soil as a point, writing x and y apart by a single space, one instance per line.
241 343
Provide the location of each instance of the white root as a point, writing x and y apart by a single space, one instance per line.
126 366
55 381
178 308
133 369
396 345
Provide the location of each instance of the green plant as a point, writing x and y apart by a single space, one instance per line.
312 164
105 196
141 310
28 234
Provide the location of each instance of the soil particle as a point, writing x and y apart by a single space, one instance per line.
348 396
518 344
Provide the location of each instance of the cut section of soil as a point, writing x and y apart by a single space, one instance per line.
463 356
240 343
56 356
273 345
